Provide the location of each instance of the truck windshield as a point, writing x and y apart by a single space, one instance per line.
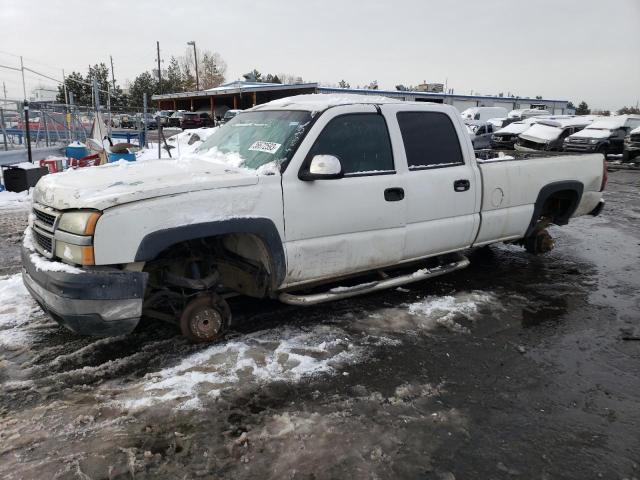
254 139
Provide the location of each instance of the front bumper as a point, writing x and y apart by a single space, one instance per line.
100 301
580 147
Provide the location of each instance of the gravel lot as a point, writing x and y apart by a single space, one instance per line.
517 367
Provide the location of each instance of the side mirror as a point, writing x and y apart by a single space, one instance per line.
322 167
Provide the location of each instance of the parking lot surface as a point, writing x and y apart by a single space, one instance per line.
517 367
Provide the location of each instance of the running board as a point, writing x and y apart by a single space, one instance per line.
340 293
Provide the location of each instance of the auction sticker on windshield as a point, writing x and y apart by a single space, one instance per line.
267 147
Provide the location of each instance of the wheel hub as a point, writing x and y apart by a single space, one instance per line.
205 323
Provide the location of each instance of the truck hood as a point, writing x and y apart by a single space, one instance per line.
591 133
123 182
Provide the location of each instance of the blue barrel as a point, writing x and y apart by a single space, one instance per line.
76 150
129 157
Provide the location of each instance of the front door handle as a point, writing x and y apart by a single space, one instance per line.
461 185
393 194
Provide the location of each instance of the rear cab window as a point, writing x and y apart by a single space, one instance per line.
430 140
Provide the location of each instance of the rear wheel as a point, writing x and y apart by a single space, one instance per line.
205 318
539 243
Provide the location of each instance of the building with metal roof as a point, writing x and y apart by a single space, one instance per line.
246 94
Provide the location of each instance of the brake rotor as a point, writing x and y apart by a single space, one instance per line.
205 318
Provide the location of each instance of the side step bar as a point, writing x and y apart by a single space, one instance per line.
340 293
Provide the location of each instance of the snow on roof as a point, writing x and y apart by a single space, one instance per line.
567 122
317 102
612 123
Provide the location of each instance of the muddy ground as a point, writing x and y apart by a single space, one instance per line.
517 367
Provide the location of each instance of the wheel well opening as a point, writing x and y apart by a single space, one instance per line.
239 262
559 206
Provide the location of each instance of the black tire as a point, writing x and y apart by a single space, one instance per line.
205 319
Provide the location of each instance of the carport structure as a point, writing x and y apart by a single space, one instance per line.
233 95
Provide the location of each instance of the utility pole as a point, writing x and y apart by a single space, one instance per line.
113 78
195 58
4 87
159 71
24 88
26 123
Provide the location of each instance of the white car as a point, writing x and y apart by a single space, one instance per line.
483 114
286 199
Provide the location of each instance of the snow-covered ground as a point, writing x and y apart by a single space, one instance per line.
15 200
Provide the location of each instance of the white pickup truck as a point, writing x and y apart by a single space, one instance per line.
285 201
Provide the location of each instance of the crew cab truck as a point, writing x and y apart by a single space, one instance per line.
605 135
284 199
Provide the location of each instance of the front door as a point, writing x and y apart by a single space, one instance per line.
347 225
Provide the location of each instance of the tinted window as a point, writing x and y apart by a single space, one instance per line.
360 141
430 139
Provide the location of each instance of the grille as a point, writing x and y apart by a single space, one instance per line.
45 218
529 144
45 242
579 140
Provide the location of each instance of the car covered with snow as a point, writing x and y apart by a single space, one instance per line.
283 202
549 134
605 135
523 113
506 136
631 145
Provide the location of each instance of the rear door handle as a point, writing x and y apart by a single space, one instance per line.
393 194
461 185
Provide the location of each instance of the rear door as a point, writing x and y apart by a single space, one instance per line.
442 189
341 226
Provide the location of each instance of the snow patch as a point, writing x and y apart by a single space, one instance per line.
16 306
287 355
15 200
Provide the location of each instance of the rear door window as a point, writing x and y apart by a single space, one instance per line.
430 140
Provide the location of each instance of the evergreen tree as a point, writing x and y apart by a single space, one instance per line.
143 83
583 109
343 84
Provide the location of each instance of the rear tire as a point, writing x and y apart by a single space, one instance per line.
205 319
539 243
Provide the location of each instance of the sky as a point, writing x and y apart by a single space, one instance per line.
559 49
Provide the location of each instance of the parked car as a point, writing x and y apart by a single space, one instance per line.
228 115
127 121
195 120
164 116
366 186
483 113
506 137
521 114
605 135
480 134
550 134
149 120
631 145
175 120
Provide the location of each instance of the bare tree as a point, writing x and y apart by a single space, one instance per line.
211 69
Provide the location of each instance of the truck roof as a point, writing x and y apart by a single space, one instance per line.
317 102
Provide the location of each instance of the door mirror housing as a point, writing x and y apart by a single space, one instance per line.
322 167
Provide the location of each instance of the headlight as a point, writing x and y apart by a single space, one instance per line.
76 254
79 222
593 140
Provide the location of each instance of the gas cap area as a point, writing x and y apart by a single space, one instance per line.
497 196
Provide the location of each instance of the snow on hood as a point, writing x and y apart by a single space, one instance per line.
635 130
514 128
122 182
538 131
591 132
